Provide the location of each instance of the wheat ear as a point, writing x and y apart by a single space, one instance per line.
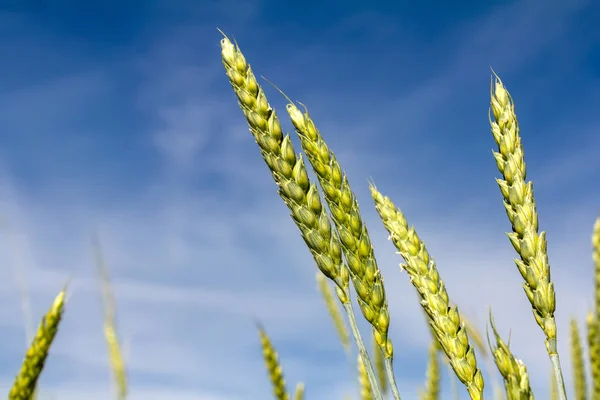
289 172
115 355
334 311
353 234
579 380
287 168
519 203
25 383
445 320
594 352
366 391
478 341
273 367
299 392
514 372
594 319
596 258
432 382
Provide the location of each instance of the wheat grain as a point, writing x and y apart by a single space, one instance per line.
514 372
445 320
273 367
25 383
519 203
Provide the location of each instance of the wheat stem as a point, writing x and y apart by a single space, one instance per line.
362 351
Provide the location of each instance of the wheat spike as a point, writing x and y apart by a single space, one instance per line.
596 258
594 319
334 311
273 367
579 380
288 169
299 393
356 244
594 353
289 172
514 372
519 203
115 355
366 391
25 383
445 320
432 383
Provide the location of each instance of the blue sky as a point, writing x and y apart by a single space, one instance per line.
117 117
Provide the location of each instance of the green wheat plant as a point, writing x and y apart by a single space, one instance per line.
327 214
341 248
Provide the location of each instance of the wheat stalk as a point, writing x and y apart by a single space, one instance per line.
273 367
445 320
25 383
379 366
519 203
116 359
553 387
301 197
513 370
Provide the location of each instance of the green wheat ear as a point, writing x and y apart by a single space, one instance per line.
299 393
33 364
273 367
432 382
116 359
519 202
578 364
513 370
593 340
593 321
445 321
